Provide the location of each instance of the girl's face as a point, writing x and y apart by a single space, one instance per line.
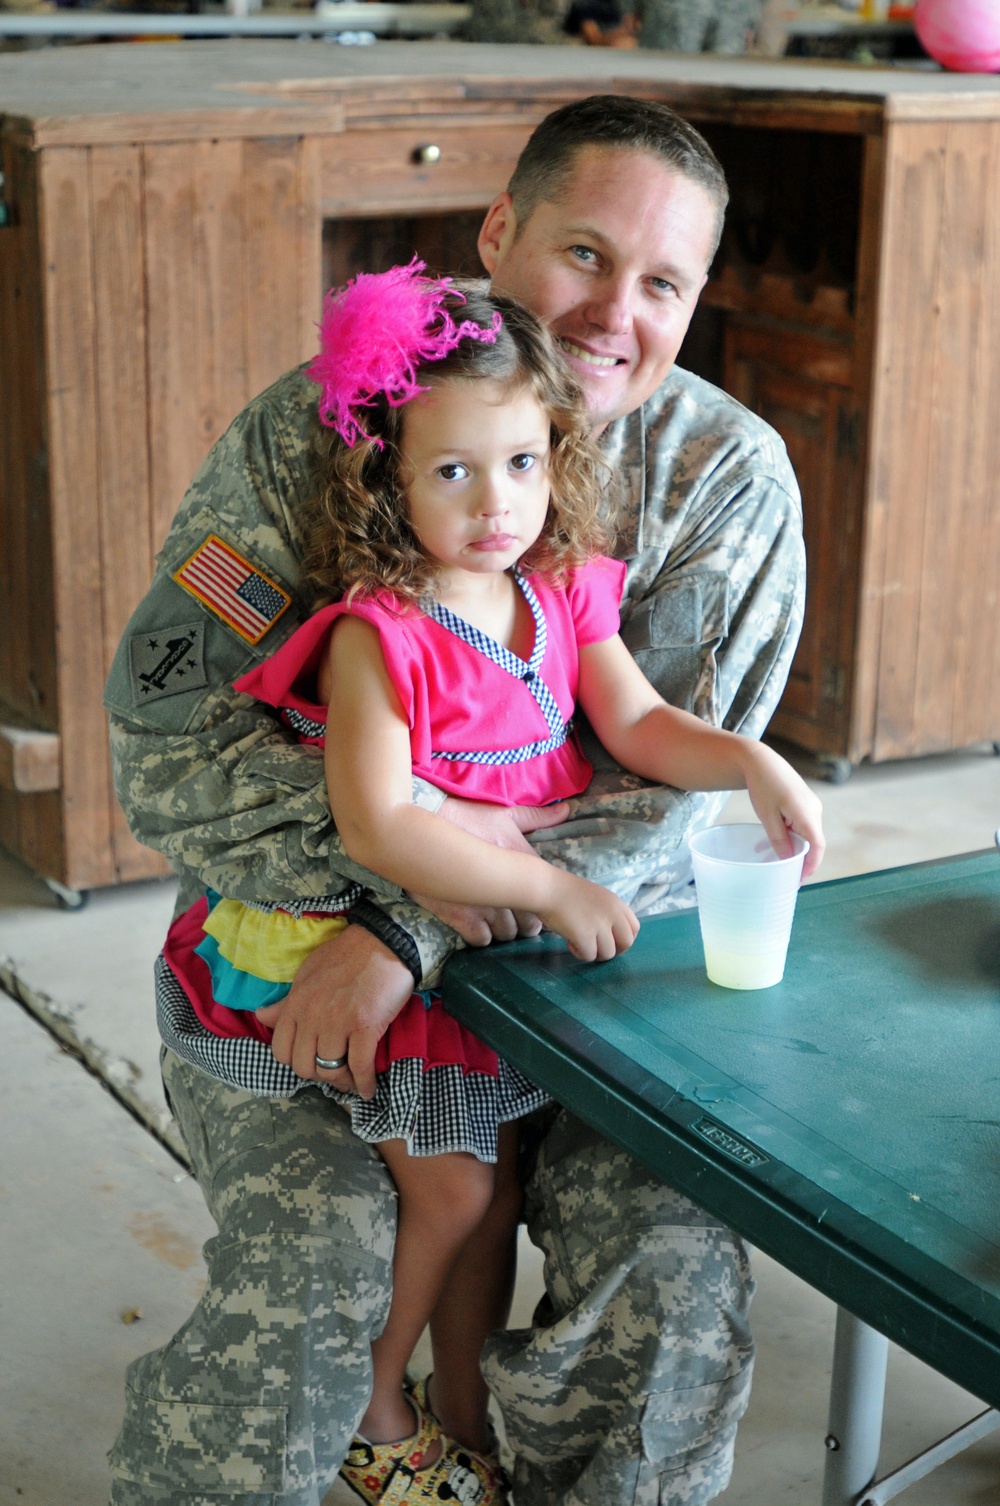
476 462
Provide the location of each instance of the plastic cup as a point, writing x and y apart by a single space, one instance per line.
746 901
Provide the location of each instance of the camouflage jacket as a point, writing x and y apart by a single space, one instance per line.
711 529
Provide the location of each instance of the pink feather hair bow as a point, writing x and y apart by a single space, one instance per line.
375 331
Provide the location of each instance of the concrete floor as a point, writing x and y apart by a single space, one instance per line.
101 1228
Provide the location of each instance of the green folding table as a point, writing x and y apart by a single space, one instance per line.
846 1121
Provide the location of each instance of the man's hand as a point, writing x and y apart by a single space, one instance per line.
503 826
345 996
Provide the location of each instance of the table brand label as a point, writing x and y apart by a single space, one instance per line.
726 1141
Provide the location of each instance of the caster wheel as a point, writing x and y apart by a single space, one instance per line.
835 770
68 899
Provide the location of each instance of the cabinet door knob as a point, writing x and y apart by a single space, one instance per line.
428 154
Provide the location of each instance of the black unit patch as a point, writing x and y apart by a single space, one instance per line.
167 662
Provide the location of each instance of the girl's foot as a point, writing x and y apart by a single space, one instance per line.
425 1468
474 1434
370 1465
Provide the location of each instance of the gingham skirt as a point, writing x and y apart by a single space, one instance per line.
435 1109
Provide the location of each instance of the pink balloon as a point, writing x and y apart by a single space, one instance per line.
963 35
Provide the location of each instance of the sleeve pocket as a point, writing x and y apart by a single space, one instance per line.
186 1447
673 636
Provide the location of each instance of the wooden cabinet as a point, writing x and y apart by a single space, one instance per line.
173 214
801 384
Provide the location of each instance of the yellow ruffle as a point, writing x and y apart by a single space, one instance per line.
270 945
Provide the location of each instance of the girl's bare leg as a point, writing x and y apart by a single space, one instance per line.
475 1300
442 1199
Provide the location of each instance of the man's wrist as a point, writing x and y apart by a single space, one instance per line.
391 935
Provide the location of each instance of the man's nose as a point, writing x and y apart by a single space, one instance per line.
610 308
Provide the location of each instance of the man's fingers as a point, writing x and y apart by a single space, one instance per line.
362 1064
538 817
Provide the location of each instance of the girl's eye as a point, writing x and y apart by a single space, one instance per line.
452 471
522 462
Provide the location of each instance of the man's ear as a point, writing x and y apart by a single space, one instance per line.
497 232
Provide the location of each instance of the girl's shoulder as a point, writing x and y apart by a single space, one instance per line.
591 593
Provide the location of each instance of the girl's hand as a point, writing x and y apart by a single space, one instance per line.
596 923
784 803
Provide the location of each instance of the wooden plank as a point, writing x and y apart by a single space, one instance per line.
220 375
122 422
193 232
906 377
29 761
231 124
122 406
863 638
27 664
283 241
933 471
944 106
32 826
74 468
952 705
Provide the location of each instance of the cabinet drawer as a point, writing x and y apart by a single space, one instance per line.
419 167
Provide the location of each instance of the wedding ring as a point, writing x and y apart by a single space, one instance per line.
331 1064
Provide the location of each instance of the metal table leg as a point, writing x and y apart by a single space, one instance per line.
857 1396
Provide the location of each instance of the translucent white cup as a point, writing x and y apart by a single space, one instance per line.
746 901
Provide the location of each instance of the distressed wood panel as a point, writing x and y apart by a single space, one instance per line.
27 655
124 500
283 265
67 233
938 381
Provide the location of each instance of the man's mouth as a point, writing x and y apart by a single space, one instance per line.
588 357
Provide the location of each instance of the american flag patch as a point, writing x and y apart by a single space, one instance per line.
233 589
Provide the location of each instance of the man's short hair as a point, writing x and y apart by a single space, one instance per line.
620 123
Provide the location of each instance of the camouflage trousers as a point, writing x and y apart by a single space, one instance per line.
698 25
627 1389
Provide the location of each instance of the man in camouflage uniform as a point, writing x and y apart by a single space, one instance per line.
629 1385
721 26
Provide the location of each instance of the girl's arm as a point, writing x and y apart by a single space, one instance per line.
369 779
670 746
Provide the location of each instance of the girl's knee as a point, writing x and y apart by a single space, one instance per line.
452 1191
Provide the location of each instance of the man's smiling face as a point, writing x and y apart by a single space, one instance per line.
613 265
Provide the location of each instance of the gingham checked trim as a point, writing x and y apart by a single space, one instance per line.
302 724
524 670
320 904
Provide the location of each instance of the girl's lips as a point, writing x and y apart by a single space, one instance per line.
494 542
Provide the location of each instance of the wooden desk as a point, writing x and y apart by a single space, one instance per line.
174 210
844 1121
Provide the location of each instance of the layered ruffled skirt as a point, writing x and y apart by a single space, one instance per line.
438 1088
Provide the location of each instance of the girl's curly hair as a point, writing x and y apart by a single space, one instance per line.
358 531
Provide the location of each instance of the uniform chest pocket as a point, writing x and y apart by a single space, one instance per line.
674 636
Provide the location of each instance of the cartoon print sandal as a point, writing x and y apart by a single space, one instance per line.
381 1473
458 1475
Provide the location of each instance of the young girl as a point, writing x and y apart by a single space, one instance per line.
460 530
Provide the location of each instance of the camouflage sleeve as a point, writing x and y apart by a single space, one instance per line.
204 775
